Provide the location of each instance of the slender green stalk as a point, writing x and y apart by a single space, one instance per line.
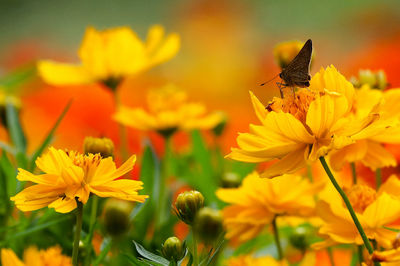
330 255
195 256
364 237
88 242
360 250
276 238
353 172
77 234
165 172
378 177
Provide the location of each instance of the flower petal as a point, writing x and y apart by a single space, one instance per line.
103 177
63 74
287 165
122 189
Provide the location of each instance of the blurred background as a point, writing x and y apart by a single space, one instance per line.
226 51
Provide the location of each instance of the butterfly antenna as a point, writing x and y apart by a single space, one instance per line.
262 84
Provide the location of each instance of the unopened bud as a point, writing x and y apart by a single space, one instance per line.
208 225
300 238
104 146
230 180
220 127
187 205
375 79
173 249
116 216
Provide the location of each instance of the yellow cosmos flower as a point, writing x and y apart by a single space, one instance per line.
300 129
33 256
110 55
257 201
168 112
369 150
69 176
387 257
309 259
374 211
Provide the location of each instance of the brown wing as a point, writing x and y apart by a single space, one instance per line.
297 72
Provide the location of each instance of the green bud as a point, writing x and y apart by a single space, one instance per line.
376 80
116 216
230 180
173 249
187 205
300 238
208 225
220 127
104 146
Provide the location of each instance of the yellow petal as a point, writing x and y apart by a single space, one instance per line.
378 157
291 163
45 179
103 177
351 153
391 186
122 189
136 118
53 161
384 210
161 51
63 74
8 258
259 108
63 205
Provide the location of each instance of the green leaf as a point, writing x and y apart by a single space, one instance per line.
151 256
150 176
9 173
14 127
213 251
135 261
39 227
16 78
49 137
104 249
391 229
204 180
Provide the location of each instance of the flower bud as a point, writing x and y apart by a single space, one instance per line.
104 146
208 225
376 80
172 249
285 52
4 100
230 180
220 127
187 205
116 216
299 238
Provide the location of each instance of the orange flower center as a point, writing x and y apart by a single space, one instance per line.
361 196
87 162
296 104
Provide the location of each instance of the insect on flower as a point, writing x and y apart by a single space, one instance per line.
296 73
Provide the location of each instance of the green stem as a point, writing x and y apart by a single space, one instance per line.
77 235
93 215
330 255
360 254
378 177
353 172
348 205
195 256
276 238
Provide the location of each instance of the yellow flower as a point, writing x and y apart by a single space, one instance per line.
33 256
374 211
300 129
309 259
110 55
69 176
387 257
168 112
369 150
256 202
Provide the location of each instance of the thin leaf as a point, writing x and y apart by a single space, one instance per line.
151 256
392 229
49 136
14 127
16 78
39 227
104 249
190 262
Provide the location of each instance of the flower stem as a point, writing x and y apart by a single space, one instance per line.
195 256
88 242
330 255
378 177
348 205
360 254
353 172
77 235
276 238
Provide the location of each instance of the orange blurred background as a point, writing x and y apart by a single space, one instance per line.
226 51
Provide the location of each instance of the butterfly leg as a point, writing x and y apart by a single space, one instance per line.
281 86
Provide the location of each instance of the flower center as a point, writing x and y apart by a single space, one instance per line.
361 196
88 163
296 104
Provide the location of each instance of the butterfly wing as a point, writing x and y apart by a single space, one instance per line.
297 72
